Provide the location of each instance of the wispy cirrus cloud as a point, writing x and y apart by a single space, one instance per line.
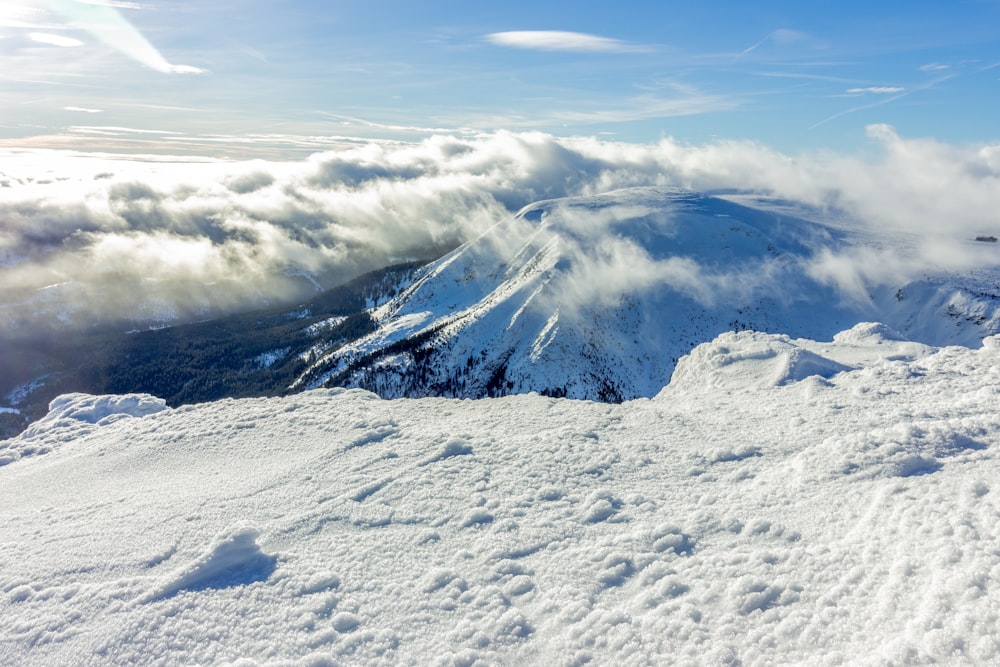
561 40
116 129
780 36
647 107
394 127
892 96
54 40
876 90
808 76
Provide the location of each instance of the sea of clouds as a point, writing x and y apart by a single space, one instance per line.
90 237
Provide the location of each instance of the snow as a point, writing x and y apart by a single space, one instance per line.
739 359
596 297
20 392
271 357
233 558
323 325
782 501
72 416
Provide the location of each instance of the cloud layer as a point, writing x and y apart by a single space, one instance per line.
90 237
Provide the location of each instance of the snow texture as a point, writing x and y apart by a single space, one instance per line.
783 501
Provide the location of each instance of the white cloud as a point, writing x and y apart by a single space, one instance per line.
54 40
238 230
82 109
186 69
877 90
98 129
560 40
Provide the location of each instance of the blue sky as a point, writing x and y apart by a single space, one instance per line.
285 78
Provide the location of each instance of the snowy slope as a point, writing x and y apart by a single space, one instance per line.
782 501
597 297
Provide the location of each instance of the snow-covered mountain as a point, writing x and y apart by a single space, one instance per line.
782 501
597 297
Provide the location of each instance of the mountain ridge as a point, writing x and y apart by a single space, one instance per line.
597 297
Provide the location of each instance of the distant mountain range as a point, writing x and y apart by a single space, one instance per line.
588 297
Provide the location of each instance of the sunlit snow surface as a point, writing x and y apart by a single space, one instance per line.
782 501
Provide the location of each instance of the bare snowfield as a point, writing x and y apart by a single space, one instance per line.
781 501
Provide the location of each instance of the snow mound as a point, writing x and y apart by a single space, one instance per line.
868 333
72 416
101 410
232 559
750 359
739 361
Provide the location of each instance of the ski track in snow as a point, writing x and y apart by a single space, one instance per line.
752 513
